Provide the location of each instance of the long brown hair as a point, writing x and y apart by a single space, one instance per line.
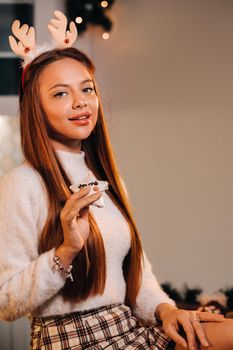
89 266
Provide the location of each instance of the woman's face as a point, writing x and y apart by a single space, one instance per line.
69 100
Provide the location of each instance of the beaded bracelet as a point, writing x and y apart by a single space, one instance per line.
59 267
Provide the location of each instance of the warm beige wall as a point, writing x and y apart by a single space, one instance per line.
167 81
168 74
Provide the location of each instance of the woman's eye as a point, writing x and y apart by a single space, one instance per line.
60 94
88 89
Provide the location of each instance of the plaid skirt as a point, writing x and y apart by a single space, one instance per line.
107 327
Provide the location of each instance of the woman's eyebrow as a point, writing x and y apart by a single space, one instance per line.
67 85
87 81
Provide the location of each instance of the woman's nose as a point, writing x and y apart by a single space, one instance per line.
79 102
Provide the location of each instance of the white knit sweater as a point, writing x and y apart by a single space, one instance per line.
27 284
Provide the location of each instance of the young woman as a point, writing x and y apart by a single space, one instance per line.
76 269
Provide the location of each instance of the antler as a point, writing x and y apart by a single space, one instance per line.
26 36
57 27
25 46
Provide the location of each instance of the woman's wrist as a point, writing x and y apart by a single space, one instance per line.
162 309
65 255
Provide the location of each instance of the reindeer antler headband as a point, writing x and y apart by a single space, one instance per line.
26 45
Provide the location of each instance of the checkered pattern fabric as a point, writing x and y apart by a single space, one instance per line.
107 327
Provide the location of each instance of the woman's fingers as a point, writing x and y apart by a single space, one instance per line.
73 208
195 319
83 213
190 334
191 324
176 337
73 200
200 332
210 317
86 201
80 194
81 199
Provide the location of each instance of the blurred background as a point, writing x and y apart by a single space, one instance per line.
166 78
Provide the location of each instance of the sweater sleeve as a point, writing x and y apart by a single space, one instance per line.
26 279
150 294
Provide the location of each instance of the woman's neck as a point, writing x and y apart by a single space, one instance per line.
72 146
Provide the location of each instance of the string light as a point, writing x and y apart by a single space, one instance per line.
104 3
105 36
78 20
90 12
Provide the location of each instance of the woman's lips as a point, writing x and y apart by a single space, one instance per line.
81 121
